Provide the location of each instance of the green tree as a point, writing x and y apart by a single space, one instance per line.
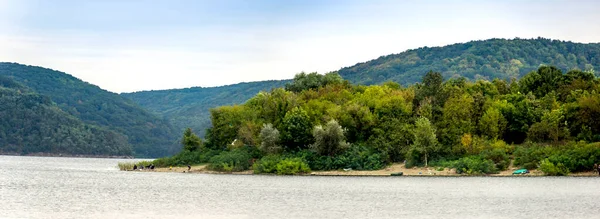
296 129
545 80
269 139
190 141
329 139
425 141
313 80
492 123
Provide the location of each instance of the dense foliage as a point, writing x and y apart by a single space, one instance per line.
31 123
487 59
468 123
148 135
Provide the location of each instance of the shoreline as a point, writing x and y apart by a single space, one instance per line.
386 172
67 155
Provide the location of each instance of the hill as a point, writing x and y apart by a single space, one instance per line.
33 124
487 59
189 107
148 135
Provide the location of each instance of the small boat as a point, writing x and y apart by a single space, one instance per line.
520 171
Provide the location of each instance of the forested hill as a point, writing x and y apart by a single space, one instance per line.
148 135
31 123
487 59
190 107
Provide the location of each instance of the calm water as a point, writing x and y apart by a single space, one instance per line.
40 187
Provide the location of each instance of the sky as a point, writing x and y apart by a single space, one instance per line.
135 45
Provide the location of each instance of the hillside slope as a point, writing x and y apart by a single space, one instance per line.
189 107
487 59
149 135
31 123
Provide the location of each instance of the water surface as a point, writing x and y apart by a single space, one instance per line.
44 187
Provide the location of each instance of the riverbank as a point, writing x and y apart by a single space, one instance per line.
394 168
65 155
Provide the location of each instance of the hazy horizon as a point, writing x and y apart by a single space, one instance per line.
135 45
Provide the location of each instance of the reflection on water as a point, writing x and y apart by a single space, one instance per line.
42 187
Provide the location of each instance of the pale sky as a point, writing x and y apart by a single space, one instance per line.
133 45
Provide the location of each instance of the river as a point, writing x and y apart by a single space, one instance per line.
50 187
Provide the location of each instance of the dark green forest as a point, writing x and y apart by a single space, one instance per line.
189 107
487 59
32 123
547 120
148 135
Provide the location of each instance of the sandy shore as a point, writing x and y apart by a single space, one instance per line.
394 168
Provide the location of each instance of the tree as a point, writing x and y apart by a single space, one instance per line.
425 141
190 141
492 123
269 139
313 80
296 129
542 81
329 139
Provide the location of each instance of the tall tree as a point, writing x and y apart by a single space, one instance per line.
425 141
190 141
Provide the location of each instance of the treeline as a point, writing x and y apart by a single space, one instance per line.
31 123
475 60
327 123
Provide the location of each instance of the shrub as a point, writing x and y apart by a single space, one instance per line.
125 165
575 156
231 161
267 164
357 157
498 156
550 169
292 166
474 165
185 157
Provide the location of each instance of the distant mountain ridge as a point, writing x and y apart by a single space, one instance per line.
189 107
489 59
147 134
493 58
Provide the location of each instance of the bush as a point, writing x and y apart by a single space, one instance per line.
550 169
575 156
474 165
498 156
292 166
267 164
356 157
231 161
125 165
185 157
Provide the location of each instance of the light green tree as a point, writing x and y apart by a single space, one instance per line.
190 141
425 141
492 123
